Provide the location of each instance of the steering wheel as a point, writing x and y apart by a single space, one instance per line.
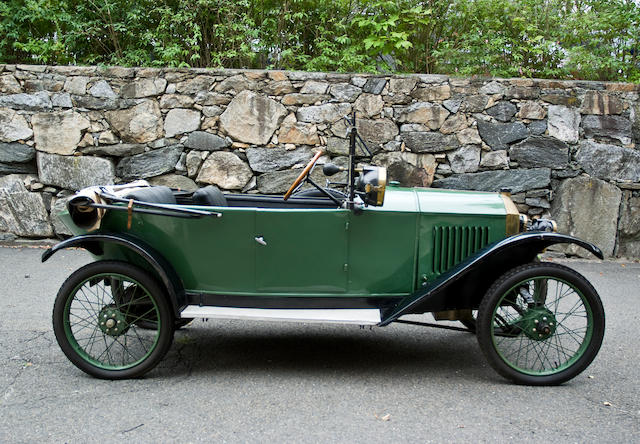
302 175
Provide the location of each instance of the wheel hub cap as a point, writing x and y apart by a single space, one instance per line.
538 323
112 322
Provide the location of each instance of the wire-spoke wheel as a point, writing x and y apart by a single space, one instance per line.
471 321
540 324
97 317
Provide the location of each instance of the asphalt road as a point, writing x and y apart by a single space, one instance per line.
232 381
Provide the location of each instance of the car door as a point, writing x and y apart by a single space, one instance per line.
301 251
211 254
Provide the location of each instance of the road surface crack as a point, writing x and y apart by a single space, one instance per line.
132 428
6 392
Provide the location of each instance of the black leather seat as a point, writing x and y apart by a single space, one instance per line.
159 194
209 196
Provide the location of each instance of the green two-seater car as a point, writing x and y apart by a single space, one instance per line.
367 254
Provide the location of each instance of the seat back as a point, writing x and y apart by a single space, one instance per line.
159 194
209 196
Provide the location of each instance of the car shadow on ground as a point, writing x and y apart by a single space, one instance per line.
316 350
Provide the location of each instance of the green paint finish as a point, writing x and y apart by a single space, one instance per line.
382 252
454 225
379 251
305 251
439 228
210 254
398 200
447 239
112 321
538 323
439 201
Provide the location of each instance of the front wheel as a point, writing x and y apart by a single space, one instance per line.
540 324
97 316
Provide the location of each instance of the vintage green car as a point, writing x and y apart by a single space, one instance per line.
367 255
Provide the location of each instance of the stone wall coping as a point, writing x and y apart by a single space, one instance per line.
124 72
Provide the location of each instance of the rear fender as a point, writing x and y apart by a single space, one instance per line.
94 243
464 285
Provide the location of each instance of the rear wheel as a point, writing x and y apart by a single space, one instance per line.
96 320
148 322
540 324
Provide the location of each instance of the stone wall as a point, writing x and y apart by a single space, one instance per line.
565 149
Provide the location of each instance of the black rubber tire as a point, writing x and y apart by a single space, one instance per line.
95 301
504 288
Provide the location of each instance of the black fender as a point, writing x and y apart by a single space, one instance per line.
94 243
464 285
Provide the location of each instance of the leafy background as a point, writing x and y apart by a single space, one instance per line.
571 39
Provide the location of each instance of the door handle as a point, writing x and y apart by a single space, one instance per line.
260 240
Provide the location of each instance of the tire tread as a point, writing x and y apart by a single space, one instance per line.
147 281
485 324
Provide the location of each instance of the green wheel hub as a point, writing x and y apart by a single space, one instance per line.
538 323
112 321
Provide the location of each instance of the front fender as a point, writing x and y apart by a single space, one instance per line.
94 243
463 286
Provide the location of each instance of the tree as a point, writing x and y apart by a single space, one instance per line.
587 39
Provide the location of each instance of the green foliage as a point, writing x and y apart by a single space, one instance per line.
27 28
504 38
606 40
587 39
202 33
308 35
409 31
583 39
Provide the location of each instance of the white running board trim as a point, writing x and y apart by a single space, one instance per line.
368 316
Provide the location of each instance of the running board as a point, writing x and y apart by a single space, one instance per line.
338 315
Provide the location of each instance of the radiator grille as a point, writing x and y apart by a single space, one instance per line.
453 244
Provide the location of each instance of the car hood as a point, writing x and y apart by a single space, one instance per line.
439 201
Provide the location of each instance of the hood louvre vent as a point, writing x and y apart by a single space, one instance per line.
453 244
